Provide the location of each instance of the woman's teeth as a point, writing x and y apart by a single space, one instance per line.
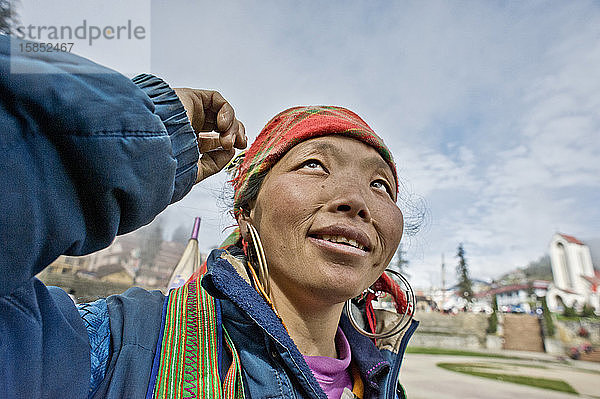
343 240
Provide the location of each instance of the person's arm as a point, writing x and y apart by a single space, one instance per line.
86 154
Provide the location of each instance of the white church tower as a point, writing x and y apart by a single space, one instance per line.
573 274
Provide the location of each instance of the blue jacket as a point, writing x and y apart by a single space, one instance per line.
272 366
85 154
88 154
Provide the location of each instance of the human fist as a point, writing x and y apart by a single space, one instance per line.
208 111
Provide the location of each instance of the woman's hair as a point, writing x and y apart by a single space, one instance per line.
250 194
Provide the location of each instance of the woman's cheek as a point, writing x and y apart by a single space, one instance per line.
395 223
293 199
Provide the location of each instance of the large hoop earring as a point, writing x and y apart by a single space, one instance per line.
263 269
404 321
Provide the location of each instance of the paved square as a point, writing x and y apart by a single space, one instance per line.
422 379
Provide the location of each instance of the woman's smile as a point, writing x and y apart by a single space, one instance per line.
341 240
338 246
339 233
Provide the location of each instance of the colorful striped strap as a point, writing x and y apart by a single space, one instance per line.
188 364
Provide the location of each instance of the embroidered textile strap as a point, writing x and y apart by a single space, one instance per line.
188 362
95 317
233 387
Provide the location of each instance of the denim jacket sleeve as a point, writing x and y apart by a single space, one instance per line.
86 154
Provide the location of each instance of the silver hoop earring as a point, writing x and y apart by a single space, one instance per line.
263 269
406 316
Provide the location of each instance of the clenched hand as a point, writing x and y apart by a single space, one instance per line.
208 111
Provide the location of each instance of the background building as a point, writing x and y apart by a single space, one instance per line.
575 282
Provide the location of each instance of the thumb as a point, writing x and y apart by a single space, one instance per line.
212 162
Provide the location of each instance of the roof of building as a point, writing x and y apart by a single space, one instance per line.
571 239
537 284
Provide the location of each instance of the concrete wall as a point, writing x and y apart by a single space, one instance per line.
460 331
446 341
568 331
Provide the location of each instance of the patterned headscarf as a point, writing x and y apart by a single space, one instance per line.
293 126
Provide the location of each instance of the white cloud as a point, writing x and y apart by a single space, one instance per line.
490 109
491 112
530 186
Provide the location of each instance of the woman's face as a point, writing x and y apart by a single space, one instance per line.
328 220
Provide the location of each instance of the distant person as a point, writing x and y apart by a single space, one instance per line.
88 156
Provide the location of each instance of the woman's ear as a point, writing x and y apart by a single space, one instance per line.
243 218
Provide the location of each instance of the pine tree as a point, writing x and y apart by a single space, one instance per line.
399 262
493 319
464 281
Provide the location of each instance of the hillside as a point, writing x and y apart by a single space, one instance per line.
540 269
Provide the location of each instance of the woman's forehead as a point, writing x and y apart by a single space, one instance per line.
343 148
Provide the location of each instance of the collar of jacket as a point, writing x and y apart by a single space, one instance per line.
222 281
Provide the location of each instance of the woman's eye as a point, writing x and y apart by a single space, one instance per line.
382 185
312 164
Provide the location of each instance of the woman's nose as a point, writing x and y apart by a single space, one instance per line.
352 203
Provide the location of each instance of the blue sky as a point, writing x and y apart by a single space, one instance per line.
490 108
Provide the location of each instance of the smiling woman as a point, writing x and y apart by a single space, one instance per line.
315 199
296 303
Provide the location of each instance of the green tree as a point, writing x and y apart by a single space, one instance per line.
493 319
399 262
588 311
570 312
548 322
465 286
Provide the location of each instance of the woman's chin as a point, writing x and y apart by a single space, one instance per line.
323 281
340 289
